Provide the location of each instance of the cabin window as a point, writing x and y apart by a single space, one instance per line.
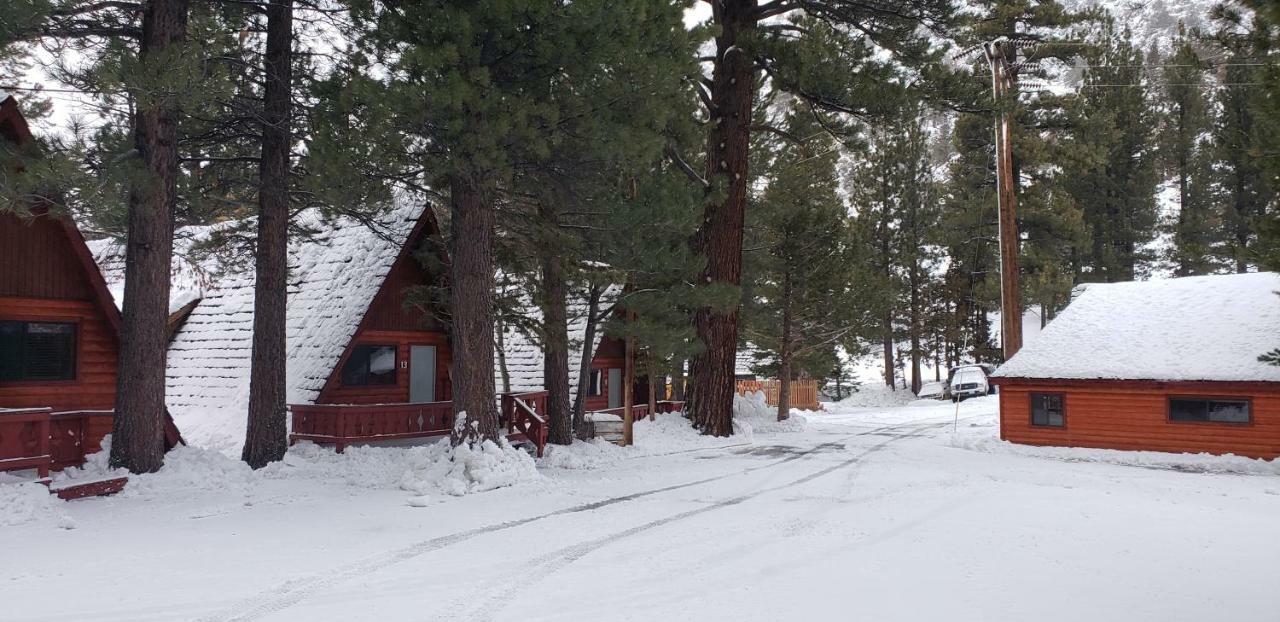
596 385
1212 410
370 365
1047 410
35 351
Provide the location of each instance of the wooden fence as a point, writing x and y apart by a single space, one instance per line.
804 393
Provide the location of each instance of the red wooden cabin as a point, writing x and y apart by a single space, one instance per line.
1166 365
58 336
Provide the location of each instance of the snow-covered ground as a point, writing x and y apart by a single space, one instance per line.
906 512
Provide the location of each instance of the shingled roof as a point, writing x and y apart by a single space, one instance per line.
1194 328
524 356
333 277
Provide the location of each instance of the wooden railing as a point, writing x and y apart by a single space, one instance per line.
638 412
24 440
524 415
804 393
343 424
670 406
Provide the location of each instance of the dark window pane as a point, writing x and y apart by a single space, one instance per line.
37 351
11 334
1047 410
370 365
1217 411
1229 411
50 351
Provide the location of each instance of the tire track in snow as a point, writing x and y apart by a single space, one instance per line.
542 567
293 591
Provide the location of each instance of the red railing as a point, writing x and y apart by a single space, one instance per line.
24 440
343 424
670 406
525 414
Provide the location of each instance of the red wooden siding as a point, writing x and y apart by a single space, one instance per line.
13 127
335 393
388 311
36 260
94 387
1134 416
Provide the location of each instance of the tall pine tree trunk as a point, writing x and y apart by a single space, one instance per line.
500 332
266 439
584 362
915 330
886 326
555 341
784 350
471 272
651 367
138 429
719 238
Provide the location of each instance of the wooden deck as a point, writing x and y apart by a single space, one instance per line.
341 425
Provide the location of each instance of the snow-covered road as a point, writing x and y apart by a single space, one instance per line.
868 513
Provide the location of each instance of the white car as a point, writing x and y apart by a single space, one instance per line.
969 382
933 391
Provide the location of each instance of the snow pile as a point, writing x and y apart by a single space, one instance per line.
1192 328
437 467
471 467
188 468
24 502
754 415
876 395
668 433
591 454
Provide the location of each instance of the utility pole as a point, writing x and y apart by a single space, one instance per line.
1004 82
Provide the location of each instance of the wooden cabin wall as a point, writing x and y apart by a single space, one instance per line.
1134 416
388 321
335 393
41 280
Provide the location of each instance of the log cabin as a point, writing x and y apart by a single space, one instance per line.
352 338
525 361
1167 365
58 335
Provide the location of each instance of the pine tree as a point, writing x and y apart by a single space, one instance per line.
801 274
819 51
1112 174
1248 189
472 95
266 436
1186 156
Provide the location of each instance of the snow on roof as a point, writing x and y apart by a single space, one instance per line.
190 273
1192 328
333 277
524 356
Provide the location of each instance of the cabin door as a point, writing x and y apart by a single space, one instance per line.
422 374
615 388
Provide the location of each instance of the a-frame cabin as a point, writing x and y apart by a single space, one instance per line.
58 335
365 362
